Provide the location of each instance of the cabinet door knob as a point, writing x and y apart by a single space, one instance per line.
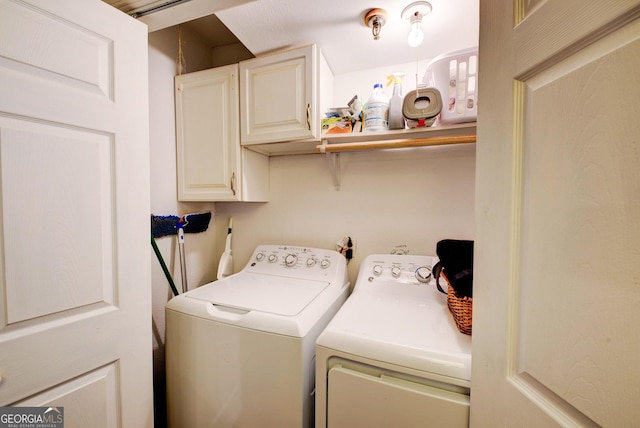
309 116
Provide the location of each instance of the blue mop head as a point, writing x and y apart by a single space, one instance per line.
196 223
163 225
168 225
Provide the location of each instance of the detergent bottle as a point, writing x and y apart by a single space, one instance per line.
376 110
396 119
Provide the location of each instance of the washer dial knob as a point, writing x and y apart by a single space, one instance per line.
423 274
260 257
290 260
324 263
311 262
272 258
377 270
395 271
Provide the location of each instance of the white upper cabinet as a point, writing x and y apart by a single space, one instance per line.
283 96
211 164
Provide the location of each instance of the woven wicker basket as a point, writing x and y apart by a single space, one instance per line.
460 308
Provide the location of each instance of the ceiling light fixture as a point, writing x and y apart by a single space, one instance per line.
414 13
375 19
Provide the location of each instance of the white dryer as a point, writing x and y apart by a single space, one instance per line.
392 356
240 352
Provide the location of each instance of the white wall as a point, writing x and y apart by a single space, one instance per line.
361 83
409 197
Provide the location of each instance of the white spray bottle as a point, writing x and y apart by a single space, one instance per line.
396 119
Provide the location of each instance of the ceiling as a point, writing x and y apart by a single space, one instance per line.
337 27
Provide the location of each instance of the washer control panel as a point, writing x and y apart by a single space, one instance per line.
295 261
394 268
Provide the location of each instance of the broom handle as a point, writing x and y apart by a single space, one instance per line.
164 266
183 264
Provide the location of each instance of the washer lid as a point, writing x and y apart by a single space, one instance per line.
263 293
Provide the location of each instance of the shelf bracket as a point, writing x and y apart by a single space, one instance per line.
333 160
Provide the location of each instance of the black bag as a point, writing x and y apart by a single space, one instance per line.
456 261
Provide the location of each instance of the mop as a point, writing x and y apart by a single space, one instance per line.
174 225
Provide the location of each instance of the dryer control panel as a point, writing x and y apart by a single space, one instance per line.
396 269
298 262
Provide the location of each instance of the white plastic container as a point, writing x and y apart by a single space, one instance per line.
455 75
376 110
396 119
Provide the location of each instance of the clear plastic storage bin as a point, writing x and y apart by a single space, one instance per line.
455 75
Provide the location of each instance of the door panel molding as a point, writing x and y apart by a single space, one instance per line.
46 59
583 24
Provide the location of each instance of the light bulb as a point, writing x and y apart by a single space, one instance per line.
416 36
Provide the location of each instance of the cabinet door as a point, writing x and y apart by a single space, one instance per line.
207 137
278 96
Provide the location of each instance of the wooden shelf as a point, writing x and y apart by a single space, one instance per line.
395 144
333 145
416 137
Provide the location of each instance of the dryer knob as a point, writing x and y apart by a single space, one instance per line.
423 274
273 258
395 271
290 260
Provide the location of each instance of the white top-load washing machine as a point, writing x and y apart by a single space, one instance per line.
240 352
392 356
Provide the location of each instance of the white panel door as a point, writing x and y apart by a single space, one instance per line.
556 321
75 306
